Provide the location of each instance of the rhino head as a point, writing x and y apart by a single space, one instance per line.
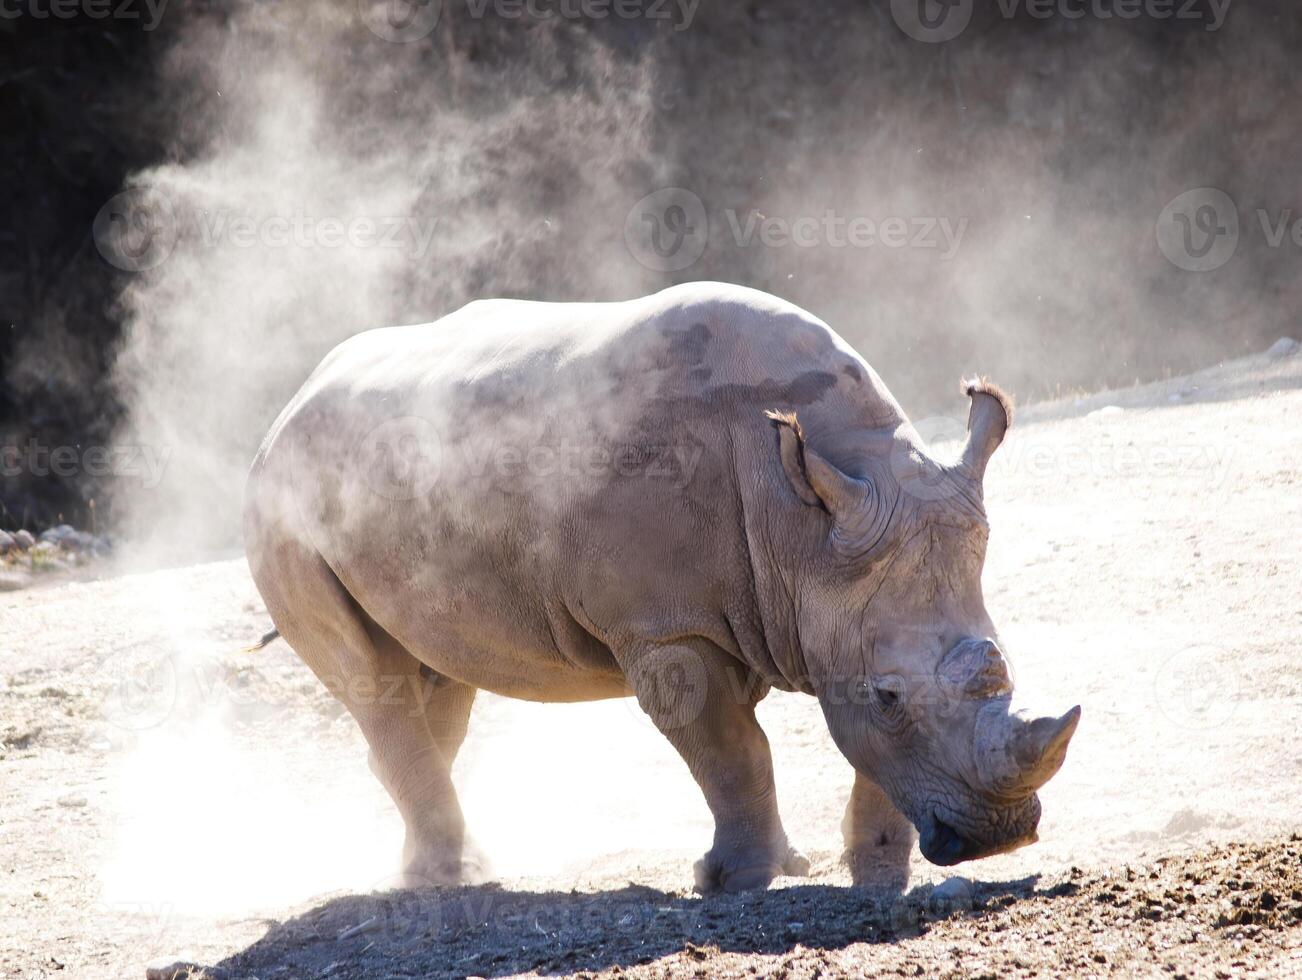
895 636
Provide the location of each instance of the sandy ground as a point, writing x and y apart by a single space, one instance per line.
164 795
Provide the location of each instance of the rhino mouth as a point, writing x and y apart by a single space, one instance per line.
941 843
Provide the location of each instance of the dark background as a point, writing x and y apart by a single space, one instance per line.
1060 139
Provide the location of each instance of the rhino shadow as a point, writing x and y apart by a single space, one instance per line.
490 931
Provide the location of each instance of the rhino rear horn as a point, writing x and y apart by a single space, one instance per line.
975 668
988 419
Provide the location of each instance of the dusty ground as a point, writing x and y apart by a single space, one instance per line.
163 795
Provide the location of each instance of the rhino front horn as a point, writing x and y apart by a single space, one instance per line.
1040 747
1016 757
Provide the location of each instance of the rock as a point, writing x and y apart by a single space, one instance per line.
77 541
11 580
372 924
1107 411
24 539
7 543
44 556
952 895
1284 347
55 534
1187 821
68 538
168 968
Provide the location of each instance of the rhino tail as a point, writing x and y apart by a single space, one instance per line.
269 637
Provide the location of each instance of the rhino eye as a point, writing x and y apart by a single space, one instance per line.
887 697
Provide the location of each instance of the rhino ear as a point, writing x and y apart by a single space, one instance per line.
794 453
852 503
815 481
988 419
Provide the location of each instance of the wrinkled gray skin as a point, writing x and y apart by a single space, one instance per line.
693 498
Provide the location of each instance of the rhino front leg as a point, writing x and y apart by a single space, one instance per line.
704 703
878 838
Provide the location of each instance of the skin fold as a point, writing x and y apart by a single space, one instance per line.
691 498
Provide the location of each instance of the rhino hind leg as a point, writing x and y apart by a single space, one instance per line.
413 723
878 838
447 716
694 694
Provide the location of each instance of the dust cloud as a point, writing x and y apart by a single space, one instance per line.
342 182
328 179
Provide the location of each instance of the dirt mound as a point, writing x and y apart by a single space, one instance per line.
1236 910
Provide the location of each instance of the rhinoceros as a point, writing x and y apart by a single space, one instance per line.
690 498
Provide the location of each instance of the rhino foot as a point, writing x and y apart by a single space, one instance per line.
884 867
742 869
878 839
433 867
